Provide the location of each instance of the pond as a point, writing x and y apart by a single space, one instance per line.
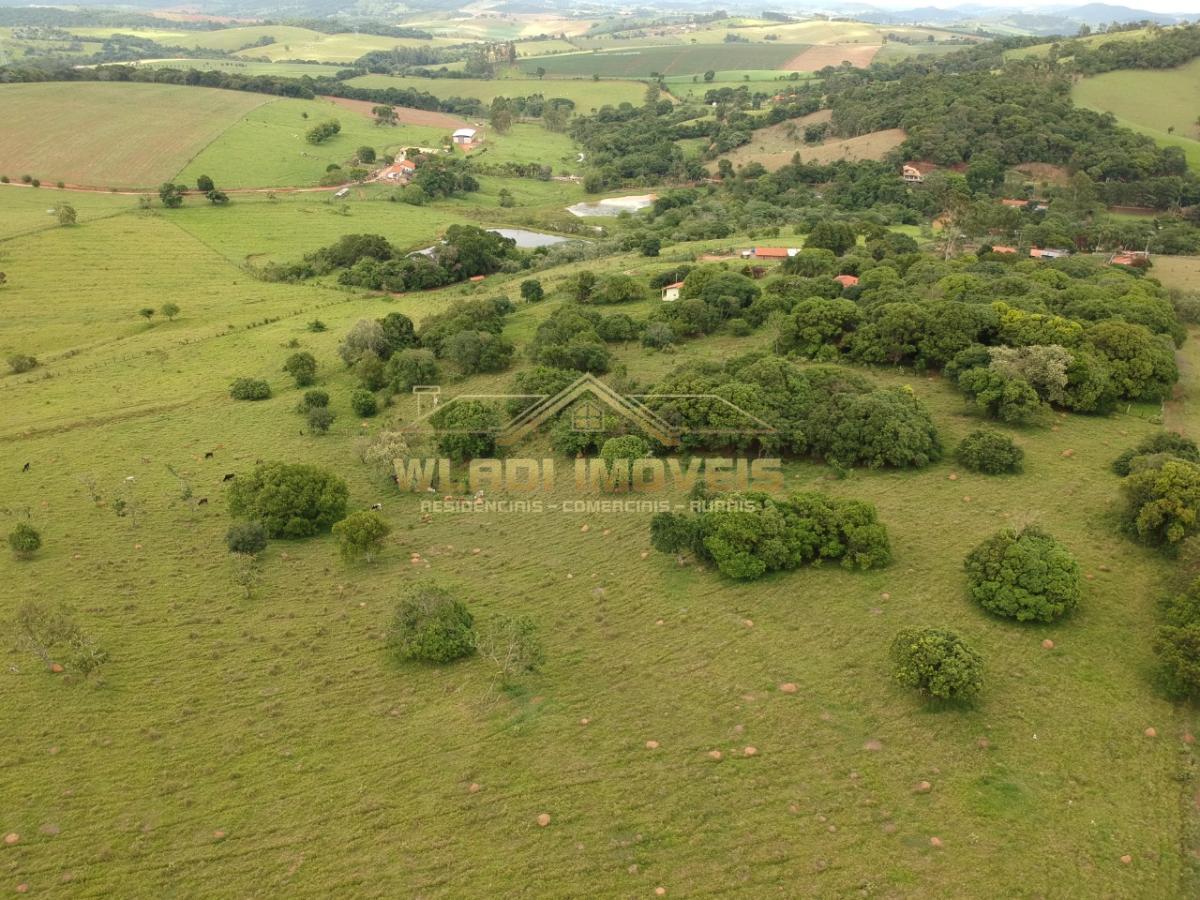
611 206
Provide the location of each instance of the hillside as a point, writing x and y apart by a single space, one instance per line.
1157 103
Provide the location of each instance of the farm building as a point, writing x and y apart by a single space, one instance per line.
401 171
671 291
1032 203
464 136
1048 252
1130 258
773 252
912 174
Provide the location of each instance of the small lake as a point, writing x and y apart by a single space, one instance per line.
611 206
527 240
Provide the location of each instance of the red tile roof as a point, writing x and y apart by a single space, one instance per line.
771 252
846 280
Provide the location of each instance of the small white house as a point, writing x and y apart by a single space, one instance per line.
670 293
464 136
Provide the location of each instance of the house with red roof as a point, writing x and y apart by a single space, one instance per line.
846 280
671 291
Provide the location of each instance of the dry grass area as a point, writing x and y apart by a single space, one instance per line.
1044 173
775 146
822 55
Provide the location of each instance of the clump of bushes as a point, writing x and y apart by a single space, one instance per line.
302 367
432 626
1025 575
1178 644
51 633
246 538
312 400
989 452
291 500
748 535
250 389
1161 443
20 363
937 662
320 418
25 540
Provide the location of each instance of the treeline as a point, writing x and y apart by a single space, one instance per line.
1165 49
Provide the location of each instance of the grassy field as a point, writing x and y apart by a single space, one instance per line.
1156 102
1181 272
338 48
640 62
588 95
775 145
693 87
240 746
1093 40
138 135
27 210
267 148
248 67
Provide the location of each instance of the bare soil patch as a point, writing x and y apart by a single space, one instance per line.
819 56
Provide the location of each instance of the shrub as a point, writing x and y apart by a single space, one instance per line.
370 372
466 429
532 291
248 538
302 367
250 389
627 447
291 500
886 427
320 418
52 634
1026 575
616 288
19 363
360 535
937 663
432 626
363 403
313 400
1005 397
1168 442
512 643
658 335
1178 649
1162 501
24 540
989 452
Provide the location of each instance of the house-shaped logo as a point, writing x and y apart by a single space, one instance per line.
593 407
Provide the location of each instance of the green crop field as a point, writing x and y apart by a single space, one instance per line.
1156 102
267 147
249 67
138 135
587 94
640 62
236 745
694 87
340 48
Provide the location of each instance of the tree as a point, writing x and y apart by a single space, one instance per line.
651 246
384 115
1161 442
1003 397
409 368
291 500
1162 501
837 237
50 632
146 312
24 540
311 400
937 662
361 535
249 389
1024 575
65 214
501 117
989 452
247 538
365 154
323 131
478 351
171 195
658 335
512 644
540 71
709 76
204 184
365 336
466 429
217 198
616 288
531 290
431 626
506 199
170 309
302 367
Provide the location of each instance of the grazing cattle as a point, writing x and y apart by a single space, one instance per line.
203 501
25 468
229 476
376 506
208 454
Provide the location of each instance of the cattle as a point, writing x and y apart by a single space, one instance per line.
25 468
208 454
376 506
203 501
229 476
